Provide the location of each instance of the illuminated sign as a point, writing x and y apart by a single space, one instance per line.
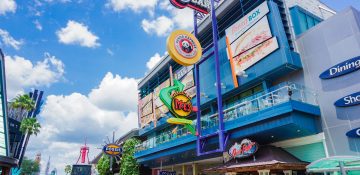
343 68
184 48
198 5
179 104
112 149
245 149
355 133
350 100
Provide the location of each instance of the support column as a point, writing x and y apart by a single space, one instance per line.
183 170
195 169
288 172
264 172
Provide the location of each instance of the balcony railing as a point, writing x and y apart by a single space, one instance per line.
244 107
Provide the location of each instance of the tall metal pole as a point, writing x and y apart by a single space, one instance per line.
198 113
218 78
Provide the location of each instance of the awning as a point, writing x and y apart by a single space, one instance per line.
267 158
335 164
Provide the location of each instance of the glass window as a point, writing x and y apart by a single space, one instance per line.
303 23
310 21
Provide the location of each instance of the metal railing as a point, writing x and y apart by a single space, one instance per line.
244 107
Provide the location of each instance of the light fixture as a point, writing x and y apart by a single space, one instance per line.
272 136
223 85
241 73
202 94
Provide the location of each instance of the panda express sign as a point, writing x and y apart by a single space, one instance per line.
199 5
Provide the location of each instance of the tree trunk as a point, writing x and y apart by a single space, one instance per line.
24 149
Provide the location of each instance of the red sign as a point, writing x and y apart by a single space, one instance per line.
199 5
245 149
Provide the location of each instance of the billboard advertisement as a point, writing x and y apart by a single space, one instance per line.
259 33
146 109
250 40
252 56
160 108
246 22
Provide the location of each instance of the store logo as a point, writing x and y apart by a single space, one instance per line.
342 68
199 5
350 100
245 149
355 133
112 149
184 48
181 104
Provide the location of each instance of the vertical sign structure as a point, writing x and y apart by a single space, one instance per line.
203 6
112 150
3 115
250 39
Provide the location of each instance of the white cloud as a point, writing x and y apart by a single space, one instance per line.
177 18
115 93
77 33
153 61
38 25
183 18
21 73
7 6
8 40
67 119
134 5
161 26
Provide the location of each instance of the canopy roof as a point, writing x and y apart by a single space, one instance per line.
267 157
332 164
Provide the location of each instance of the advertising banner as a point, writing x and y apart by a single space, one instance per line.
252 56
146 109
160 108
246 22
259 33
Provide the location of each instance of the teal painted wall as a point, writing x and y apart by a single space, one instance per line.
308 153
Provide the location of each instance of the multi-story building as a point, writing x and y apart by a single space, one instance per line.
265 94
6 160
15 116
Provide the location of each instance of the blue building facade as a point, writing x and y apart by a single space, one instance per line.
259 103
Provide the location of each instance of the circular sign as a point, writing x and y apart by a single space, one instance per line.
184 48
112 149
181 104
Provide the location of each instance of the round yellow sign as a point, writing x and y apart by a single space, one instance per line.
181 104
184 48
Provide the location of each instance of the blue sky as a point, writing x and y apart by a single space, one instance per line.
87 56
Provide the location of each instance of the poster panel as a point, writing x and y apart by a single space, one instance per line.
246 22
259 33
252 56
160 108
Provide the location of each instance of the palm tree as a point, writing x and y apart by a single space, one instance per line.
23 102
28 126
